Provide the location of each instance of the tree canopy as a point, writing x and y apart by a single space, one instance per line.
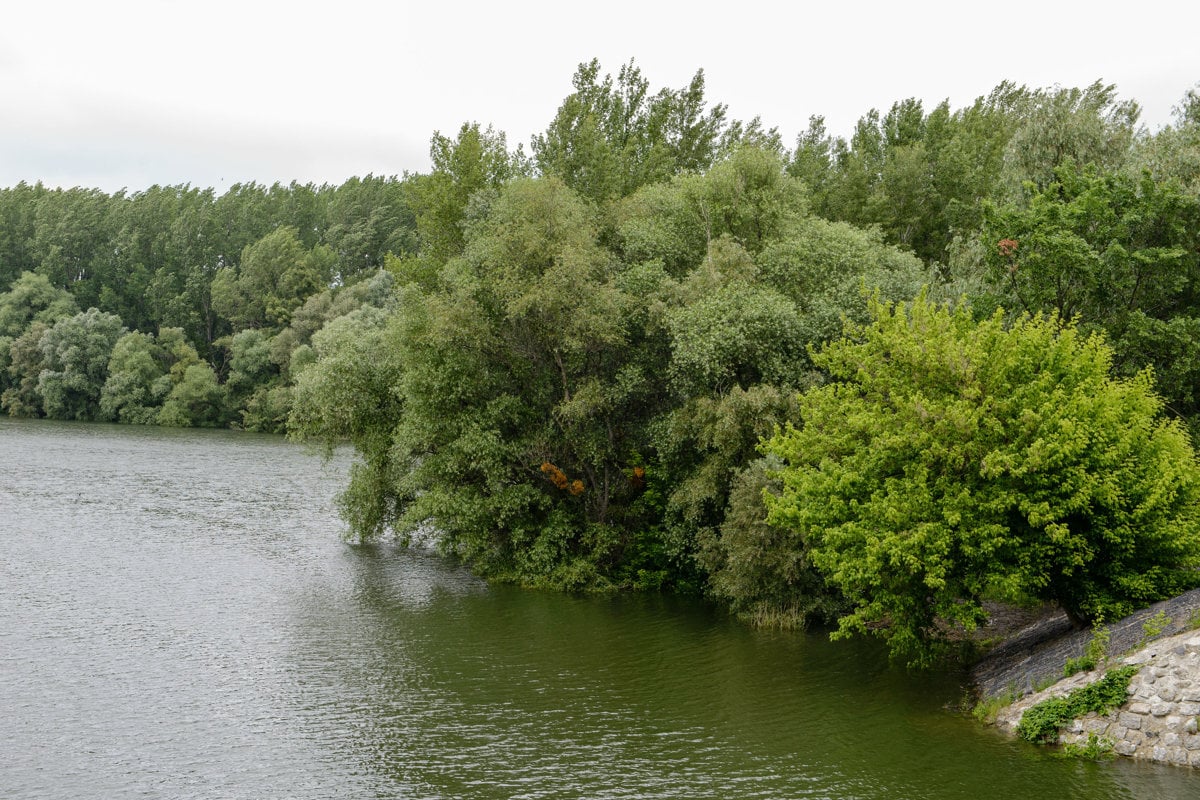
948 460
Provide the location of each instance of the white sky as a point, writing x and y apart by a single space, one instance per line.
129 93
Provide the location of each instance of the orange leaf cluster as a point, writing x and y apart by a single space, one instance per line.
556 475
1007 247
638 479
559 479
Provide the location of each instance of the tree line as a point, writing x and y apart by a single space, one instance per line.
588 366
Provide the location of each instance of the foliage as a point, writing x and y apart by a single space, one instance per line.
1041 723
769 584
198 400
1155 625
347 394
26 360
1095 654
950 458
988 708
76 352
32 298
137 381
1120 253
275 276
1094 748
609 138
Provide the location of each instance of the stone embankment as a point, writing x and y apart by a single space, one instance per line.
1158 721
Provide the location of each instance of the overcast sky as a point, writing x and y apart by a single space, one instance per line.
130 93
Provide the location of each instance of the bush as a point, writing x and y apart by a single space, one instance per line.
1041 723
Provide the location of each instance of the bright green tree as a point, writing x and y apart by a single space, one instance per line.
949 459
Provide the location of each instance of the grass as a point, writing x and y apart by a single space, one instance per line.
1155 625
1096 748
986 709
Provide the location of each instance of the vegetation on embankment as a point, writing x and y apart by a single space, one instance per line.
605 364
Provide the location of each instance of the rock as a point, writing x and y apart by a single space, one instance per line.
1124 748
1192 742
1167 692
1159 708
1171 739
1190 726
1193 645
1131 721
1189 709
1139 708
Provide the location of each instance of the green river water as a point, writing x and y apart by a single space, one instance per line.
179 618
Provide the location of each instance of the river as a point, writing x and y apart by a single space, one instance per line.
179 618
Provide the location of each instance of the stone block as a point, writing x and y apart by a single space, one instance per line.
1158 753
1171 739
1160 708
1124 748
1116 731
1193 758
1131 721
1177 755
1189 709
1139 708
1193 644
1191 725
1167 691
1191 742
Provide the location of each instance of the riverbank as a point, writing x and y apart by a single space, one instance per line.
1158 721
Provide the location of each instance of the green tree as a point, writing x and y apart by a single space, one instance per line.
950 459
473 161
137 381
1122 253
610 137
197 400
26 360
33 299
274 278
348 394
76 351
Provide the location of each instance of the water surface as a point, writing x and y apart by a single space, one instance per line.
179 618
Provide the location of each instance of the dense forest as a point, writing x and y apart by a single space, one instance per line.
601 362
